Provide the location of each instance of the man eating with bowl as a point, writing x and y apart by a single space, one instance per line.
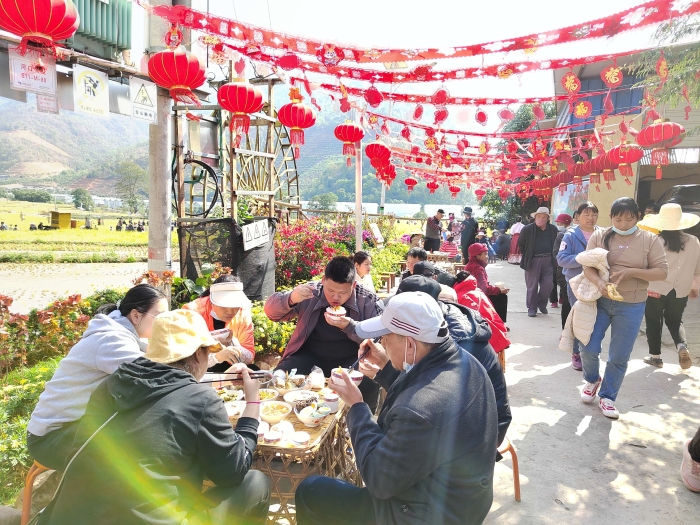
430 455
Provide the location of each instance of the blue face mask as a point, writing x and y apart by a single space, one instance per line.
625 232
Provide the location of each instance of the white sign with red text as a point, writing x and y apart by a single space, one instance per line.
32 72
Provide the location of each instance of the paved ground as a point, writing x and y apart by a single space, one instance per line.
576 465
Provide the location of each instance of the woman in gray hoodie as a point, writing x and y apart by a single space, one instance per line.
114 336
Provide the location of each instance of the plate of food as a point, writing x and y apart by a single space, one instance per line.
288 382
268 394
228 394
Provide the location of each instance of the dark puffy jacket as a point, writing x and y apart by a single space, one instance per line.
147 464
472 333
429 456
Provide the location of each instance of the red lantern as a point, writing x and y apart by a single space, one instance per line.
503 194
479 194
607 166
297 117
432 186
349 133
289 61
660 136
624 155
411 183
179 72
577 172
241 99
41 22
462 145
454 190
377 150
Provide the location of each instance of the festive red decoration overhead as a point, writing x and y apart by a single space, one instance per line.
583 109
418 112
297 117
612 76
411 183
454 190
662 70
373 97
440 97
624 155
571 83
241 99
40 22
441 115
406 133
506 115
481 117
660 136
330 55
349 133
432 186
179 72
378 154
289 61
479 194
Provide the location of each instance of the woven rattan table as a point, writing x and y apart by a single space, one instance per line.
329 453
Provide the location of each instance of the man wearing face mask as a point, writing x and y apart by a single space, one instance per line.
430 455
536 242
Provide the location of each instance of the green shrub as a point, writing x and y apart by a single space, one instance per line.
270 337
20 393
386 260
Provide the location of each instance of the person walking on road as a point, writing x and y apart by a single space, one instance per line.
536 243
468 229
667 299
433 232
515 255
563 221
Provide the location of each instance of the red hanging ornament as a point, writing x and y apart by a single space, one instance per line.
173 38
660 136
571 83
432 186
506 115
612 76
349 133
484 147
538 112
538 148
296 116
406 133
462 144
410 183
512 147
240 99
440 97
583 109
179 72
430 143
377 150
441 115
479 194
39 22
624 155
481 117
385 128
418 112
373 96
329 55
289 61
454 190
661 71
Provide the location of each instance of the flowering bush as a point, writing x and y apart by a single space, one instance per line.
386 260
270 337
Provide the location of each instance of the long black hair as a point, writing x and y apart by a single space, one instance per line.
620 207
674 239
228 278
141 298
361 257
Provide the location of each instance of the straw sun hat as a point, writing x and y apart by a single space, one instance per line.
179 334
670 217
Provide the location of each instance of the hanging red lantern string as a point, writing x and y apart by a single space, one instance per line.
241 99
349 133
39 22
661 136
410 183
479 194
624 155
296 117
454 190
607 167
179 72
432 186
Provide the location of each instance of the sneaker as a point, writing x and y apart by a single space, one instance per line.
654 361
532 313
554 305
690 470
590 390
608 408
684 356
576 362
544 310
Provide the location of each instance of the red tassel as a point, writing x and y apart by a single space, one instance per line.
659 173
240 122
625 170
296 153
296 136
607 184
348 162
628 181
349 149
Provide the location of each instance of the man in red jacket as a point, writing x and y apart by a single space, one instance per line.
478 259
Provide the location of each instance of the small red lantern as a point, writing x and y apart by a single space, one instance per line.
179 72
297 117
577 172
410 183
41 22
377 150
624 155
660 136
432 186
454 190
607 166
349 133
240 99
479 194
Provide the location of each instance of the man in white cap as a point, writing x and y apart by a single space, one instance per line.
536 243
430 455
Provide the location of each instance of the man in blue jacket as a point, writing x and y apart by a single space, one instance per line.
430 455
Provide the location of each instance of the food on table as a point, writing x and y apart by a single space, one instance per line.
301 438
274 410
336 311
301 398
613 293
337 378
271 438
267 394
234 408
288 382
229 395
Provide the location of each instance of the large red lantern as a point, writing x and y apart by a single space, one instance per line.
241 99
607 166
624 155
432 186
349 134
660 136
379 155
179 72
41 22
410 183
297 117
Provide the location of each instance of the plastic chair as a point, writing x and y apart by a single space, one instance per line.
34 471
507 446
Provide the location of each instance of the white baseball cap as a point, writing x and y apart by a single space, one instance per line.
411 314
229 295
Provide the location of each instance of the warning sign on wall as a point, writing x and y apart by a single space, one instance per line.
143 99
255 234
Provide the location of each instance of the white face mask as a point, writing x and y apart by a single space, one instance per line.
406 366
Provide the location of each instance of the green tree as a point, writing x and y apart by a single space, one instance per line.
32 195
523 119
131 184
82 199
421 214
511 208
325 201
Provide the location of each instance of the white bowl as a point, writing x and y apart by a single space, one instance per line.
300 398
234 408
304 415
274 394
273 419
337 379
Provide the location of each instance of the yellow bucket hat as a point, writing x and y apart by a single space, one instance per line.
179 334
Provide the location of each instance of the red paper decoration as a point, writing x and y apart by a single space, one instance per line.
612 76
506 115
479 194
440 97
410 183
329 55
481 117
289 61
462 144
406 133
660 136
662 70
373 97
349 133
297 117
418 112
441 115
583 109
538 112
40 22
512 147
571 83
179 72
241 99
624 155
377 150
432 186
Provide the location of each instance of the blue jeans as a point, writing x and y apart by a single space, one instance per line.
572 302
625 320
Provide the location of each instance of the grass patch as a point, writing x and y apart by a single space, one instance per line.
39 257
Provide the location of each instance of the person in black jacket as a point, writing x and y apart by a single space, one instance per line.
430 455
536 242
164 433
469 228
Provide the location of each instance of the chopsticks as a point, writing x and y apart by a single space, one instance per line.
253 375
352 366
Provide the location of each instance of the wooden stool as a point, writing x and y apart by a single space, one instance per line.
34 471
507 446
402 265
502 359
392 278
386 280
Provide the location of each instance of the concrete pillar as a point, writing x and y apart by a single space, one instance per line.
160 187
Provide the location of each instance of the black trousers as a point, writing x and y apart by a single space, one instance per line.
465 252
500 304
666 308
54 449
565 305
431 245
324 501
694 447
304 362
554 294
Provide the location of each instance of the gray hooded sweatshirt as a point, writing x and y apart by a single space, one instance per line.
108 341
